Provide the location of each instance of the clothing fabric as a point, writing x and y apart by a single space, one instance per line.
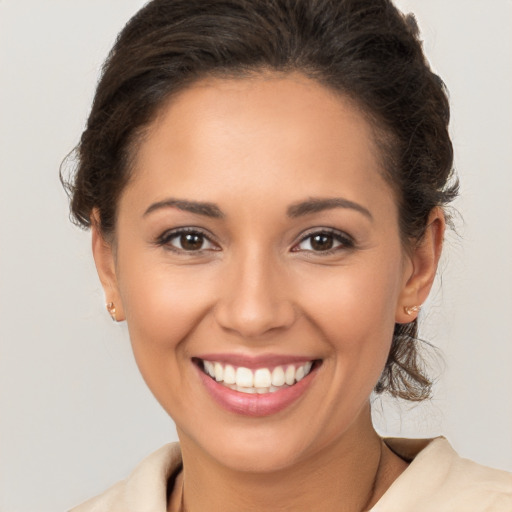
436 480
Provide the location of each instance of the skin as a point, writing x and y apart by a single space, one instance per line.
254 147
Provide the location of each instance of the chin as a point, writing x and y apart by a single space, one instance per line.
262 445
260 454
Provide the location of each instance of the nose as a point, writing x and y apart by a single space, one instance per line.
255 298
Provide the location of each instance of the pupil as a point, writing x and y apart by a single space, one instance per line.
322 242
191 242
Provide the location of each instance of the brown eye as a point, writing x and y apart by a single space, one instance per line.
322 242
325 242
186 240
191 241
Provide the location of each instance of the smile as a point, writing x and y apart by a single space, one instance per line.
257 391
261 380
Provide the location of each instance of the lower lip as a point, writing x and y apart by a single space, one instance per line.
254 404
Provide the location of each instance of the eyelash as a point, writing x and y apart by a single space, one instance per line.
344 240
165 239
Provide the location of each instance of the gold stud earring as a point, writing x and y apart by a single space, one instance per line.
111 308
409 310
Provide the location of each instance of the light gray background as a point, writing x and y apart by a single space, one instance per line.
75 415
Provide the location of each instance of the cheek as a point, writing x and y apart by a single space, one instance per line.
163 306
354 308
357 294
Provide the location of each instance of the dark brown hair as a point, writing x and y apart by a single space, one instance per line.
364 49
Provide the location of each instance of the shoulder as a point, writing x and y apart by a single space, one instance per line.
145 488
439 480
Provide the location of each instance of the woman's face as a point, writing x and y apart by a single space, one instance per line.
258 235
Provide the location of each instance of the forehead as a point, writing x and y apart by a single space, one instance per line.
272 133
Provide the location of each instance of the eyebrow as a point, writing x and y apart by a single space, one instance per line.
310 206
315 205
197 207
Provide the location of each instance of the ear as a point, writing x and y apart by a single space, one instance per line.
424 258
104 259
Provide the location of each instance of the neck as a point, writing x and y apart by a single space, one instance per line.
347 476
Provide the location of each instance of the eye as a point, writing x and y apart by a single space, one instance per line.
187 240
325 241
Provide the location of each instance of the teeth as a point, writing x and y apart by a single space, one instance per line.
278 378
209 368
259 381
229 375
289 375
244 389
219 372
262 378
252 391
244 377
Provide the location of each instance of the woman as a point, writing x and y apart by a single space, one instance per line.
265 184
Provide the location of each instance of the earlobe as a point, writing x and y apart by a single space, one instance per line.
103 254
424 258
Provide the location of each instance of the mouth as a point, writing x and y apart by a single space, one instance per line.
259 380
259 390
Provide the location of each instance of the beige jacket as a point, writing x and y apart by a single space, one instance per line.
437 480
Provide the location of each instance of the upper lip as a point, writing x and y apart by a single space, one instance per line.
255 361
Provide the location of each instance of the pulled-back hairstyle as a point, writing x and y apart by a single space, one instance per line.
364 49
